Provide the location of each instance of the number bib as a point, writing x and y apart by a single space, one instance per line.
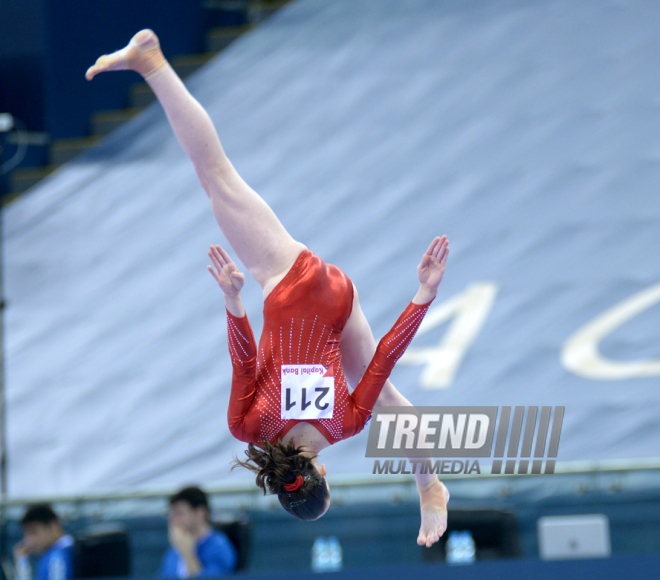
306 392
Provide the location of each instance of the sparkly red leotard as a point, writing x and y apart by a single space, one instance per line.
303 319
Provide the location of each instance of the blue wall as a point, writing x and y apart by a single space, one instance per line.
22 46
384 534
611 569
47 45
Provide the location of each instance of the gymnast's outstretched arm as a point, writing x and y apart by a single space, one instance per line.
242 346
395 342
249 224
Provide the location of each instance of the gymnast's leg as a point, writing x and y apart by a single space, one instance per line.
249 224
358 347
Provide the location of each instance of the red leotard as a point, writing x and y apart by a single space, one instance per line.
303 319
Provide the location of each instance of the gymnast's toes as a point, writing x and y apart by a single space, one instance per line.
107 62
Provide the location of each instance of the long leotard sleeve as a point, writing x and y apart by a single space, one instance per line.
243 352
390 349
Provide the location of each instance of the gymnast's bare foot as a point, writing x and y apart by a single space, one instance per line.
433 502
142 54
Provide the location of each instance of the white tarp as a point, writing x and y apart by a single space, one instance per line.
527 131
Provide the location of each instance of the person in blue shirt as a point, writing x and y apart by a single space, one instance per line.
43 536
196 549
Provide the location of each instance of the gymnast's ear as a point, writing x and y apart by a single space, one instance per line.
322 470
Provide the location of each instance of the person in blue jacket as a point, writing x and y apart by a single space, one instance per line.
43 536
196 549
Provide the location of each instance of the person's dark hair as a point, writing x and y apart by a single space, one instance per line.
40 514
281 464
193 496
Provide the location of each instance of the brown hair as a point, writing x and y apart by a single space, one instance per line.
193 496
40 513
280 464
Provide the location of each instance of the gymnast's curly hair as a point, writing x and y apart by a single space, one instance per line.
280 464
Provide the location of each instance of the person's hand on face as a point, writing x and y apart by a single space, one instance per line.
36 539
181 539
21 550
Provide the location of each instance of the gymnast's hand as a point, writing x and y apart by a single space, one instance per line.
226 273
431 269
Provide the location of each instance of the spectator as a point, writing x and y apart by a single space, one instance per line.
196 549
43 536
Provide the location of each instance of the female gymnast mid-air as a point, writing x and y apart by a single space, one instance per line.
315 337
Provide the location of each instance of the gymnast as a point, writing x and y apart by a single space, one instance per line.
315 338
